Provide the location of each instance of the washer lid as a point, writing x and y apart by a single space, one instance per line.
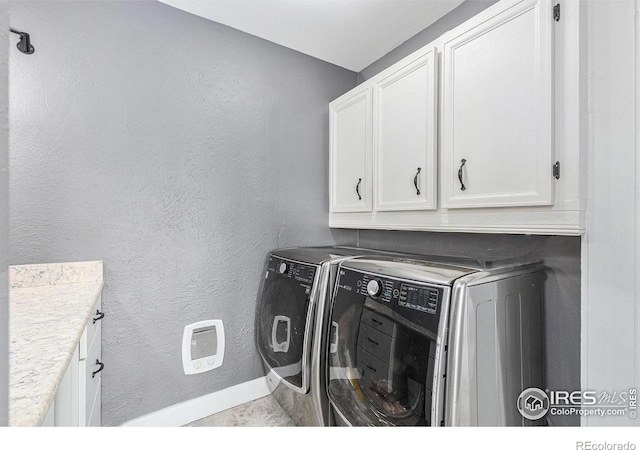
445 272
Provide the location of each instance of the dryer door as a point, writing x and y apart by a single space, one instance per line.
381 352
284 311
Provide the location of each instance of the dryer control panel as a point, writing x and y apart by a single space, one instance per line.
304 273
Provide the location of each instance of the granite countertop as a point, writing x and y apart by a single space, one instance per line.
49 306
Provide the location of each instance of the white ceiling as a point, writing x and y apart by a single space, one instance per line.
349 33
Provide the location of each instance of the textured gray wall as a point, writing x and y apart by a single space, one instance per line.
459 15
178 151
4 215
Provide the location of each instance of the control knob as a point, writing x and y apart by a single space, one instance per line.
283 268
374 288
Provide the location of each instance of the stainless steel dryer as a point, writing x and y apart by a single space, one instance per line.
291 327
433 343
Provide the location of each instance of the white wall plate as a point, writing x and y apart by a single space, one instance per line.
202 346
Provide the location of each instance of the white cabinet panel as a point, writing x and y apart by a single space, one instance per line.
93 367
96 411
89 333
405 136
78 398
497 110
350 152
67 400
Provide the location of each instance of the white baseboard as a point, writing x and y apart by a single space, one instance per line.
198 408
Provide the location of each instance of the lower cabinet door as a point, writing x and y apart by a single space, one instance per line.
78 398
93 378
66 406
95 414
91 330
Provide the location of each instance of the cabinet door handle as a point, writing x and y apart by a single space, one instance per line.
98 363
358 188
415 181
99 316
462 163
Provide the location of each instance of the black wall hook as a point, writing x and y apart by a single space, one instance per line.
24 45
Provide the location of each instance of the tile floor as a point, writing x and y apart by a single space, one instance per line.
263 412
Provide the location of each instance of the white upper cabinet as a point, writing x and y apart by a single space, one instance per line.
497 109
464 134
404 130
350 151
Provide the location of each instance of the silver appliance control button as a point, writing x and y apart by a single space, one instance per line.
374 287
283 268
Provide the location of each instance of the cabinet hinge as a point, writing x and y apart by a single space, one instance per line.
556 170
556 13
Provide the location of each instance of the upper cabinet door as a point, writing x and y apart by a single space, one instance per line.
497 109
350 151
405 136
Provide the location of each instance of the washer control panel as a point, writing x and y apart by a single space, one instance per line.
375 287
403 302
407 295
419 298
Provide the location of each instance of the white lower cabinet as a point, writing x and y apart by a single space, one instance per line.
66 404
91 379
96 410
78 399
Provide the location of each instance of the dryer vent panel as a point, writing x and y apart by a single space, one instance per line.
202 346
